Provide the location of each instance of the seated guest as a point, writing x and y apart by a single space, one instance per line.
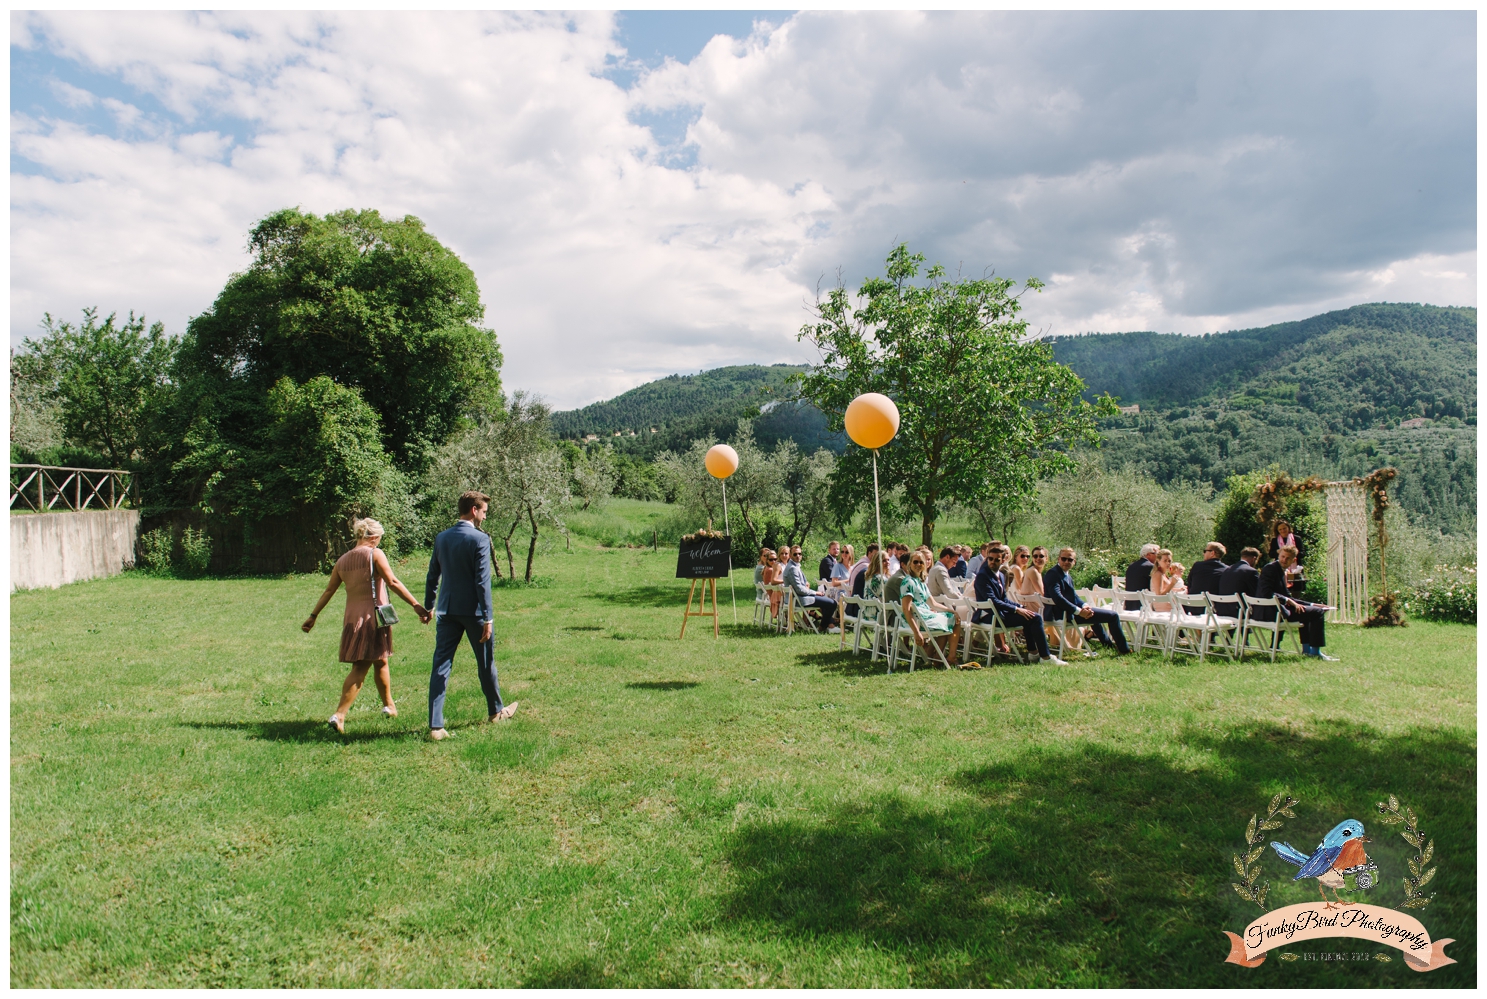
1059 588
777 563
960 568
974 565
940 587
990 586
1204 577
762 567
891 549
854 577
805 596
875 576
930 620
1138 574
1295 578
1166 577
828 560
1241 577
1312 616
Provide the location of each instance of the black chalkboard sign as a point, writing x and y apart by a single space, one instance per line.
704 558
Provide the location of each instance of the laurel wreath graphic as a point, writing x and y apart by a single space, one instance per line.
1390 814
1248 865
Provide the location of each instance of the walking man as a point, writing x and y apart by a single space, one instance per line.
462 557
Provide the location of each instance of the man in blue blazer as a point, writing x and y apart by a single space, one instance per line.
462 558
1060 589
990 586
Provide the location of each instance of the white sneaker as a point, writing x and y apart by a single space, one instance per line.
1325 657
833 631
1055 661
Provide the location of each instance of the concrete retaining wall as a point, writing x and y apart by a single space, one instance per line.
51 549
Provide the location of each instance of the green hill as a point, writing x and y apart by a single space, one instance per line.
1367 366
671 412
1323 396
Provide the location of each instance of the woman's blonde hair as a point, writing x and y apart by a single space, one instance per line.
917 561
367 528
1021 550
1163 551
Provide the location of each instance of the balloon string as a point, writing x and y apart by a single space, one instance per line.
731 594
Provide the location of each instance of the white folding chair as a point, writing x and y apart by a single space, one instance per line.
857 623
1276 628
1131 621
761 605
1157 627
798 612
776 619
987 629
1197 623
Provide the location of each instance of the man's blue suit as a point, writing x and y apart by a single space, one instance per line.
1060 589
989 586
462 558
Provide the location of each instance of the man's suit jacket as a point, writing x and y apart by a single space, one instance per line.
990 586
1059 588
938 583
795 579
1241 577
1138 575
462 557
1203 577
1271 583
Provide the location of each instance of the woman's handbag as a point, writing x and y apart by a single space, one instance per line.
386 616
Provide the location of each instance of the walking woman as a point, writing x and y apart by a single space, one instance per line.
364 644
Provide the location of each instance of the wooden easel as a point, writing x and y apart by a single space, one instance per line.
702 604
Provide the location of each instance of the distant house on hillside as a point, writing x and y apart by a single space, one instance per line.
1130 410
592 437
1414 424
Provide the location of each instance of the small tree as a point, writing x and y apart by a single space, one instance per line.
515 461
984 410
593 476
104 378
807 487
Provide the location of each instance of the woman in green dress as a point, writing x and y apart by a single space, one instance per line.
930 620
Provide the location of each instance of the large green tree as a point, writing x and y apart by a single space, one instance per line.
103 381
375 304
985 411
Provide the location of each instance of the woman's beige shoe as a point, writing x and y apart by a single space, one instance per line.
390 710
438 734
337 723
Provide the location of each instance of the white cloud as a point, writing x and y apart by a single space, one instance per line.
1222 170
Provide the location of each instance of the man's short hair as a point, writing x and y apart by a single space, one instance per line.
1286 549
1214 546
471 499
1150 548
1249 553
872 546
947 551
1065 551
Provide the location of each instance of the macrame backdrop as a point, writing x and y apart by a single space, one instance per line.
1347 551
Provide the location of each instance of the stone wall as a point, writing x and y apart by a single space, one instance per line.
52 549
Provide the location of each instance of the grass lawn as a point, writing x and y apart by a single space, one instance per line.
755 810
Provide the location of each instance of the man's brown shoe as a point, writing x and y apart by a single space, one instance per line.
504 713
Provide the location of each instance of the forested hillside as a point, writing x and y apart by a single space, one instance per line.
1323 396
671 412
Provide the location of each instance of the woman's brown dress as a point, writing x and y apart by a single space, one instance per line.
360 636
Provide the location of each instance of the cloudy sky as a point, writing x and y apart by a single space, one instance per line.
641 194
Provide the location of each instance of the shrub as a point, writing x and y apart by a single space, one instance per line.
196 552
153 549
1450 596
1096 566
1120 510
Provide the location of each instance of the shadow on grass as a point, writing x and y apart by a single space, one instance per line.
662 685
318 731
1097 867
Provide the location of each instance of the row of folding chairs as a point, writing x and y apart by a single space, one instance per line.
1199 624
784 616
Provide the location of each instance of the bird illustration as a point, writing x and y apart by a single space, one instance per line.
1339 851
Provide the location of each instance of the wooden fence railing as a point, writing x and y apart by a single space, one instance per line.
48 487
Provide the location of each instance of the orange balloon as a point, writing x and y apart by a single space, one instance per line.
721 461
872 420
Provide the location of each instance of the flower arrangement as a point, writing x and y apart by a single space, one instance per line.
701 535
